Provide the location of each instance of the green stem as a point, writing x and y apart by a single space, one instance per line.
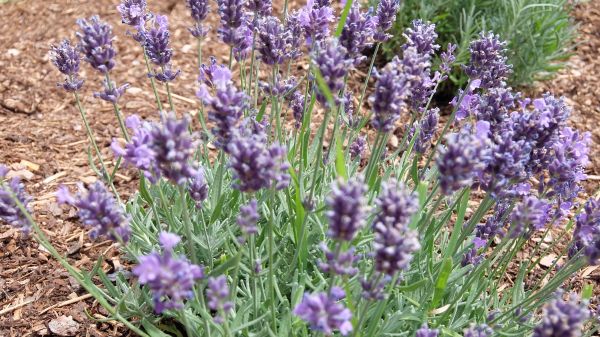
188 226
152 83
117 111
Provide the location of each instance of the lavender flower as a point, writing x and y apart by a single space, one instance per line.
331 59
232 18
10 212
260 8
373 288
294 34
199 10
95 42
422 37
586 237
243 41
478 331
133 12
530 214
139 151
272 40
385 18
315 20
396 206
324 313
338 262
387 102
448 58
197 187
494 224
424 331
357 33
156 43
98 209
488 61
358 147
214 75
66 59
248 217
111 92
256 164
464 157
471 257
416 67
297 106
217 294
562 318
347 208
170 278
427 127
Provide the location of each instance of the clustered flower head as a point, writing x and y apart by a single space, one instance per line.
427 127
488 61
385 18
314 18
357 33
425 331
564 318
133 12
95 42
232 19
272 40
337 262
171 278
347 208
248 217
156 44
98 209
529 215
421 36
217 294
256 164
111 92
10 212
396 205
198 187
586 237
66 59
331 58
199 10
388 99
297 106
358 147
325 313
162 149
463 158
260 8
478 331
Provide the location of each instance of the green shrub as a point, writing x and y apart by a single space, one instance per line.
539 32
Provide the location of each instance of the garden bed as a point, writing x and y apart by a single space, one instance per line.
43 141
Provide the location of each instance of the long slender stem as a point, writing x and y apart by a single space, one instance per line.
152 83
117 111
188 226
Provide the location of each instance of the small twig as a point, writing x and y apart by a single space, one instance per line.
14 307
181 98
71 301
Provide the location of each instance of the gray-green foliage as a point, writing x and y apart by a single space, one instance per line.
539 32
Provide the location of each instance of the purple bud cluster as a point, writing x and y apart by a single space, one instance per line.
98 209
478 331
133 12
156 43
255 163
358 147
10 212
422 37
564 318
424 331
198 187
217 295
111 92
463 158
427 127
373 288
529 215
314 20
347 209
232 19
494 225
488 61
95 42
388 100
357 34
324 313
66 59
248 217
296 103
273 40
338 262
331 59
396 206
260 8
385 18
170 278
199 10
586 237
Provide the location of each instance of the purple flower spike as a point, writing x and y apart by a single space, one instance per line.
338 262
139 151
315 20
396 206
217 295
232 18
564 318
385 18
95 42
66 59
358 147
9 210
424 331
297 106
198 187
248 217
272 40
357 33
111 93
199 10
294 31
157 41
494 225
448 58
488 61
391 90
331 59
132 12
529 215
98 209
587 232
427 127
463 158
260 8
347 209
256 164
422 37
170 278
478 331
394 248
324 313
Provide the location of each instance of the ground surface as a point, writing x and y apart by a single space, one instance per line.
42 139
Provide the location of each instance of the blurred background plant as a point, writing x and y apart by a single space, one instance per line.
539 32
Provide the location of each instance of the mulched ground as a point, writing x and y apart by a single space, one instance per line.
42 139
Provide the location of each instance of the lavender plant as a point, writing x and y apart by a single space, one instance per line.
292 230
